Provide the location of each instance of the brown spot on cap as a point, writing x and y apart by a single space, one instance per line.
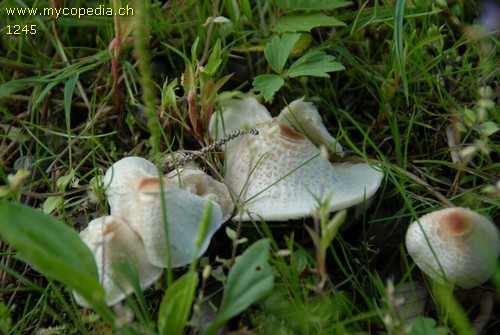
455 223
109 228
149 185
289 133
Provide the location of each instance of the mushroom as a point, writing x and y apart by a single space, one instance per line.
112 241
184 212
135 194
454 245
280 174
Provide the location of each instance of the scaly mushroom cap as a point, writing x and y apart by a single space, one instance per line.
465 244
184 212
195 181
112 240
279 174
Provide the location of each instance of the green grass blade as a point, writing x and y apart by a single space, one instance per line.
55 250
69 89
399 44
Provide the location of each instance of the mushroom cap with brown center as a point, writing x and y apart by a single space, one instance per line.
120 182
112 241
454 245
280 175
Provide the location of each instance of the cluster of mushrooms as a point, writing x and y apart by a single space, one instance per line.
277 172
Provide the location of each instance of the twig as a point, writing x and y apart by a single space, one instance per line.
180 158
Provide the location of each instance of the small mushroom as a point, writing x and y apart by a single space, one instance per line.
454 245
112 241
280 175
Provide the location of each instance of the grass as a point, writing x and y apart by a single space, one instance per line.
419 95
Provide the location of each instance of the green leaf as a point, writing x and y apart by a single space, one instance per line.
246 9
63 181
205 220
469 117
488 128
333 226
267 84
231 233
4 191
176 304
426 326
54 249
194 49
278 50
51 203
5 319
213 61
312 4
315 64
250 279
305 22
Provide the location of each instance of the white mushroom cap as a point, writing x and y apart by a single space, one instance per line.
304 117
280 175
195 181
112 240
237 114
120 182
184 213
134 194
465 243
